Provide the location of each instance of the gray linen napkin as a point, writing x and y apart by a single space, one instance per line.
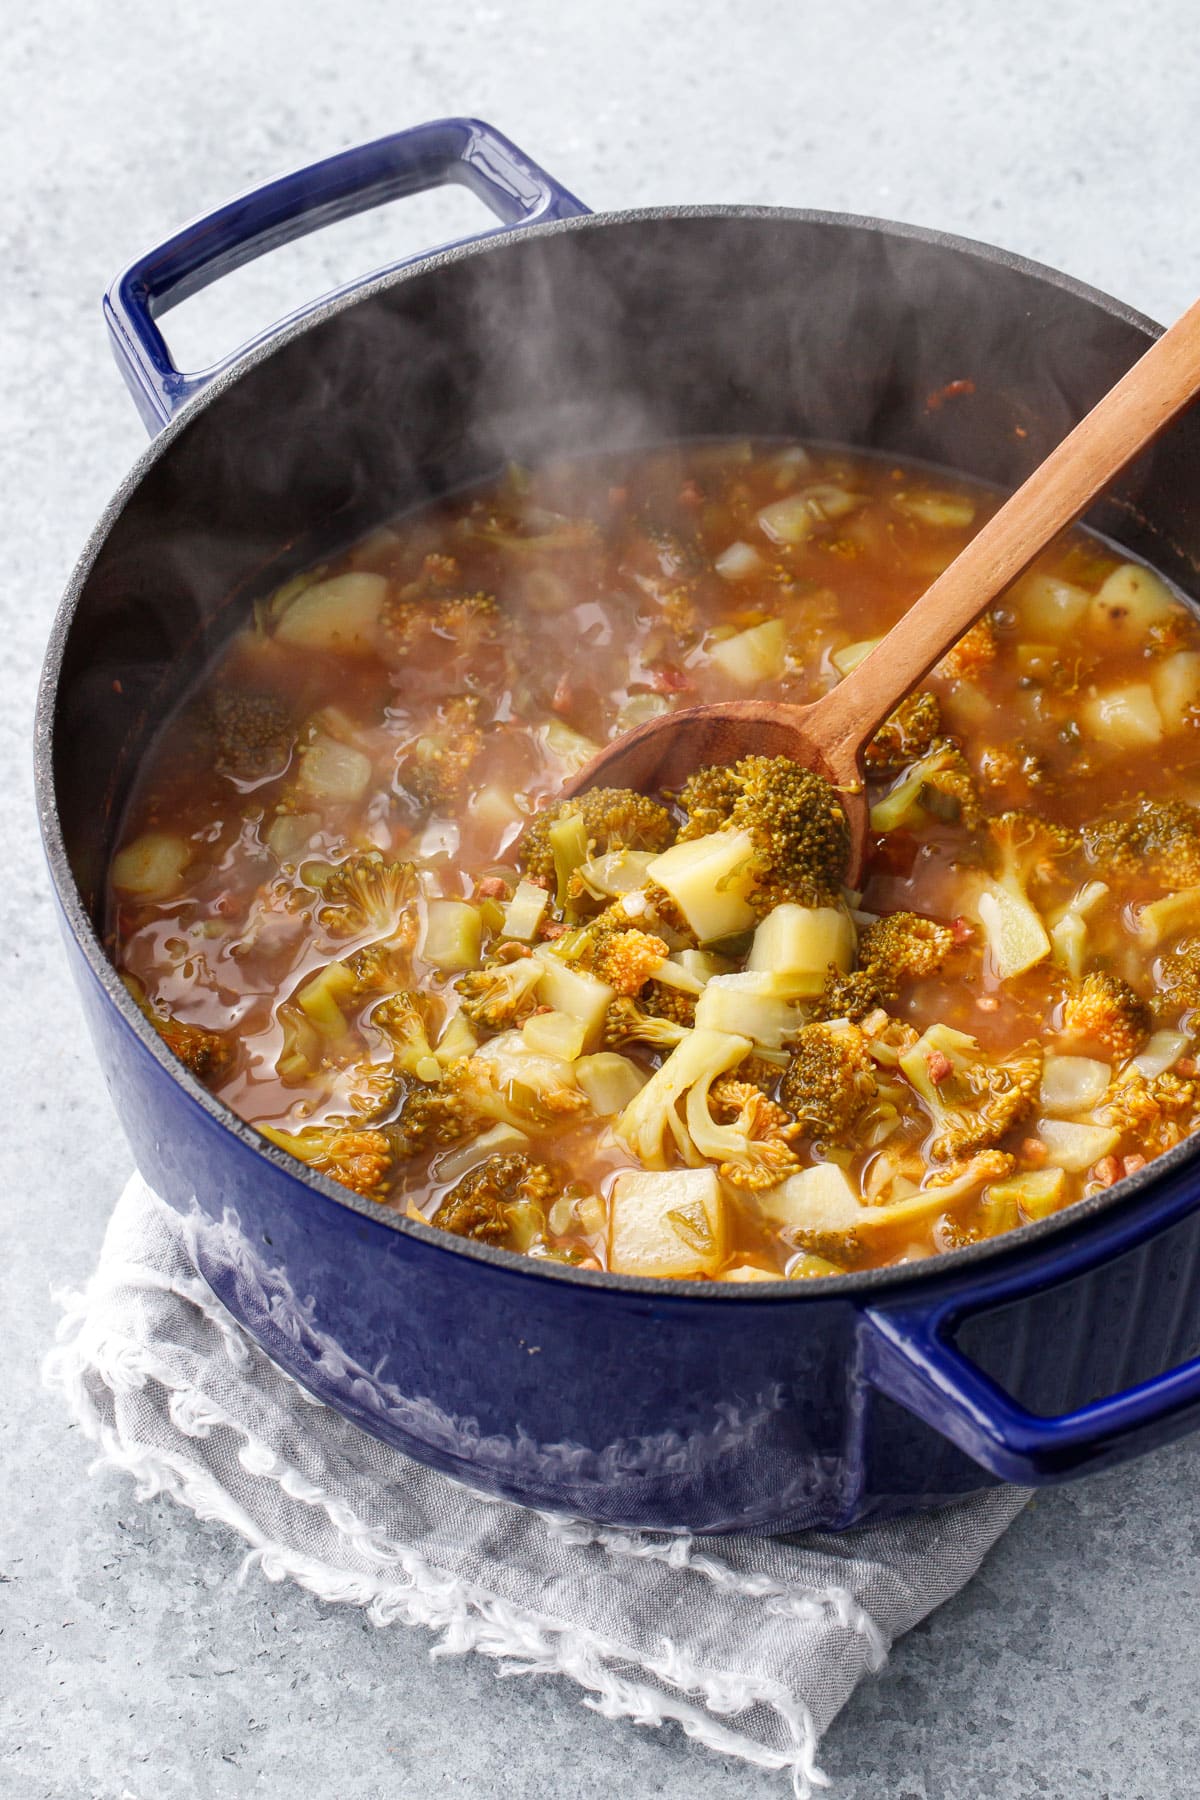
752 1644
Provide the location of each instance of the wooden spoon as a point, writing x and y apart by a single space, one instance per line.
830 734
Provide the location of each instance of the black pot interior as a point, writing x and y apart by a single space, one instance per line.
597 335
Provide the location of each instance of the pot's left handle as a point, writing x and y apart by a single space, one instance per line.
466 151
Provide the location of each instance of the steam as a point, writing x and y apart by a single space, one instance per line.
558 342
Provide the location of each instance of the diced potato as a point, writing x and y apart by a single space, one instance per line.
708 878
1049 607
1016 937
340 615
1068 942
555 1034
289 835
453 935
568 747
807 1267
609 1081
755 1004
1161 919
846 659
950 512
1074 1146
701 965
320 999
495 809
1073 1084
753 656
1176 683
568 840
1125 717
333 772
572 991
666 1222
458 1039
615 873
738 562
525 911
1035 1192
788 521
798 943
1128 603
1162 1052
822 1198
152 867
640 707
500 1140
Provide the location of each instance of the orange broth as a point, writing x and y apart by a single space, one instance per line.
624 587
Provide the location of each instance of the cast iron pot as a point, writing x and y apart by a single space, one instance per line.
1063 1347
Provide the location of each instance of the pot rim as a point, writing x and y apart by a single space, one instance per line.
990 1255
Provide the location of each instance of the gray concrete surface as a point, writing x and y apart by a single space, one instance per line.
132 1666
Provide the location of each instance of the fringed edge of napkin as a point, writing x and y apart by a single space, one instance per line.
468 1618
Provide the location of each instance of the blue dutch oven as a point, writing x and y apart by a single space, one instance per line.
1063 1347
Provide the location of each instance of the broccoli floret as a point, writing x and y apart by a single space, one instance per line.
615 948
1025 850
437 767
708 798
794 817
414 616
403 1020
628 1022
904 946
1157 1112
910 732
853 996
502 993
207 1054
253 733
628 959
434 1113
972 654
1179 979
1159 838
746 1134
364 896
359 1157
380 968
662 1001
503 1083
613 819
503 1199
651 1125
1106 1008
829 1082
973 1100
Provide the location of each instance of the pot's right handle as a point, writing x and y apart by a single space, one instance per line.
909 1353
466 151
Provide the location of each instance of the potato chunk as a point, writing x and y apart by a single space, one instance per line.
666 1222
708 878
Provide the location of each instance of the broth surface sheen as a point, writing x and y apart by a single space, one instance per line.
338 897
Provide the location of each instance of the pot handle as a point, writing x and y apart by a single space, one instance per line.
466 151
909 1354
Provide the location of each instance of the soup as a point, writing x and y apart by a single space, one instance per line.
658 1034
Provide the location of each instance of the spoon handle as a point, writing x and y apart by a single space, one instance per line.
1143 403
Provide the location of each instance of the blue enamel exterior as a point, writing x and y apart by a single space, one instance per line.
656 1404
